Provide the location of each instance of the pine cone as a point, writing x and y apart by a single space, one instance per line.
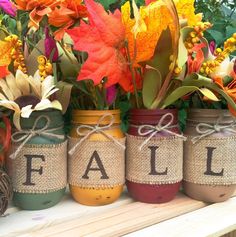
6 191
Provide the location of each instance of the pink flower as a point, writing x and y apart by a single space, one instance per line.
8 7
111 94
212 47
50 47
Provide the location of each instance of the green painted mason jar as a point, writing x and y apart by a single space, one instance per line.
37 161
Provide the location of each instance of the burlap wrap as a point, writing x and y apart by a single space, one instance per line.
168 155
223 157
54 168
112 158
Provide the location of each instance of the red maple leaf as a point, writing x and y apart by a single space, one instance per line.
103 39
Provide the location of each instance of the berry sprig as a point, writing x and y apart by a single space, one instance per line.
45 67
210 66
196 35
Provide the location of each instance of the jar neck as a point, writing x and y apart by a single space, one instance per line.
94 117
210 116
153 117
42 119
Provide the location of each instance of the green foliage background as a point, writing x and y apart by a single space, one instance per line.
222 14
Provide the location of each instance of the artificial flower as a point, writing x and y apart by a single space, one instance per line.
224 69
50 46
38 9
142 40
5 138
65 15
8 7
5 52
229 89
186 11
196 58
3 71
111 94
140 25
24 94
212 46
103 39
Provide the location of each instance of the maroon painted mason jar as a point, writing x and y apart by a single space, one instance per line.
154 156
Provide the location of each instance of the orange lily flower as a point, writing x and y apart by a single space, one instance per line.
230 89
38 9
66 15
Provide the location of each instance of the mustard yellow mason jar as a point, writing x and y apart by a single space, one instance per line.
96 157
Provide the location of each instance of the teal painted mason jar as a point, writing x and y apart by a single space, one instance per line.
37 161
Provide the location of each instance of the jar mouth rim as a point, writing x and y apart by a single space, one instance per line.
78 112
210 113
150 112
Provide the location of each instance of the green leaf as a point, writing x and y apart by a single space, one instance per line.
3 34
217 36
68 63
183 52
151 85
230 30
32 61
201 81
64 93
177 94
206 49
161 59
209 94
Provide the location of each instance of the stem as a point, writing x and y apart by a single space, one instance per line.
104 92
133 72
5 31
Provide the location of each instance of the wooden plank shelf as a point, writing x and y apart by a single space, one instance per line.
181 217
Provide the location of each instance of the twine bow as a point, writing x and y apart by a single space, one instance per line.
205 129
96 129
145 130
23 136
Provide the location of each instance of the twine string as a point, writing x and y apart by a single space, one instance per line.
151 130
98 128
23 136
206 129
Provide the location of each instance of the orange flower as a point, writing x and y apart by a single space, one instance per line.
144 32
230 89
38 9
66 15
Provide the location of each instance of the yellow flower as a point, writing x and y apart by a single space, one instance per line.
186 11
143 32
24 94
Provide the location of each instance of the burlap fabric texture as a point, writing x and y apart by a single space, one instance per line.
223 159
104 162
53 165
169 156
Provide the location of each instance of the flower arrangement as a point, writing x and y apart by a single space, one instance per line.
213 73
122 61
150 55
30 56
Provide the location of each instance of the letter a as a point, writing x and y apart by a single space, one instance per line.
100 167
